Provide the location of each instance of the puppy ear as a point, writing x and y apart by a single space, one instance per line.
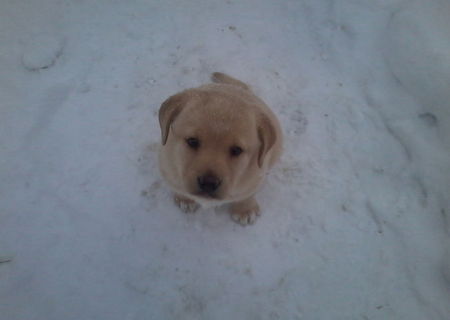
168 112
267 136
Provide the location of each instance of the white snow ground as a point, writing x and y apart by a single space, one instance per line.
356 217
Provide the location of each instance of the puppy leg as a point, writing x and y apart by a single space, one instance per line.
245 211
186 205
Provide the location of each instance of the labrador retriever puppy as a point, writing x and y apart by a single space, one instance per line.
218 142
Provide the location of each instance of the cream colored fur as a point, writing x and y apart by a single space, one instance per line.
220 116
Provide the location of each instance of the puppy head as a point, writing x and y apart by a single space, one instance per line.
216 144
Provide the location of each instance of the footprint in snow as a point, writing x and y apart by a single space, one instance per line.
42 52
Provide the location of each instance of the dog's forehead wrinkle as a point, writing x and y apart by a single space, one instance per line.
217 118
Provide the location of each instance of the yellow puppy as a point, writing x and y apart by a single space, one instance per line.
219 140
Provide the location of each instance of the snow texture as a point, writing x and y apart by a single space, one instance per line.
355 218
41 53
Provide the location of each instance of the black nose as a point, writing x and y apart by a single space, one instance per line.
208 183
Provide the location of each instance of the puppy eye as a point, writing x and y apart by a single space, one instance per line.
235 151
194 143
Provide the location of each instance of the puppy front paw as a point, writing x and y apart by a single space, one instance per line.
185 204
245 212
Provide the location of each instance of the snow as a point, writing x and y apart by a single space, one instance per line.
42 52
355 218
418 57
